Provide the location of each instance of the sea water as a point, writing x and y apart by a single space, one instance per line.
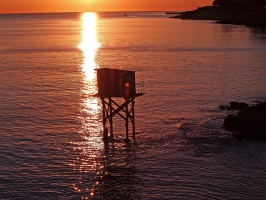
51 126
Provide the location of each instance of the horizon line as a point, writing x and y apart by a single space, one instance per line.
19 13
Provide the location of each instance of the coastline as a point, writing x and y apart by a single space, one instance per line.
253 16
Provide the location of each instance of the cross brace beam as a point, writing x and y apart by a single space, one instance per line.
125 111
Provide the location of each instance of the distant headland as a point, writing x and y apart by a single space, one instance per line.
239 12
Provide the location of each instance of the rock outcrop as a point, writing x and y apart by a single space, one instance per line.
235 106
249 123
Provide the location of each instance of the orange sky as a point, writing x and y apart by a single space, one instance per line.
26 6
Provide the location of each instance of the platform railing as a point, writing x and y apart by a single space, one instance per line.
140 87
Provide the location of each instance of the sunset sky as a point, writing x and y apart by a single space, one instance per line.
29 6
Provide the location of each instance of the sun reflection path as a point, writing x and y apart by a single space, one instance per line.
90 148
89 46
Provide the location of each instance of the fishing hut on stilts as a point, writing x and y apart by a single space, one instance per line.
114 85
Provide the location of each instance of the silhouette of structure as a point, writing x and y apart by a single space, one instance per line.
115 83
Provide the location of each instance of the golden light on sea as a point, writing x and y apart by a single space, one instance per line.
89 45
91 144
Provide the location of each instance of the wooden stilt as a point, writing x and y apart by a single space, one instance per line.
104 122
111 118
127 117
133 119
105 130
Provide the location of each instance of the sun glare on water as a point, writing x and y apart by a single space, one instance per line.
91 144
89 45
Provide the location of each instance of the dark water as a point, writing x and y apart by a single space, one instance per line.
51 127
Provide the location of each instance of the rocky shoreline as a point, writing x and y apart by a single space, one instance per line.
250 15
248 18
249 123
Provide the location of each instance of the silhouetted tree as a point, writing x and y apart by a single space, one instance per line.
239 3
222 2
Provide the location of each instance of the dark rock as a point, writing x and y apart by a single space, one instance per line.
234 106
232 123
222 107
249 123
237 106
176 16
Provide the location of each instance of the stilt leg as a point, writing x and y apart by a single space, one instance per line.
127 116
111 118
133 119
104 119
105 130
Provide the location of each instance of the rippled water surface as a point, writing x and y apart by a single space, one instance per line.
51 127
